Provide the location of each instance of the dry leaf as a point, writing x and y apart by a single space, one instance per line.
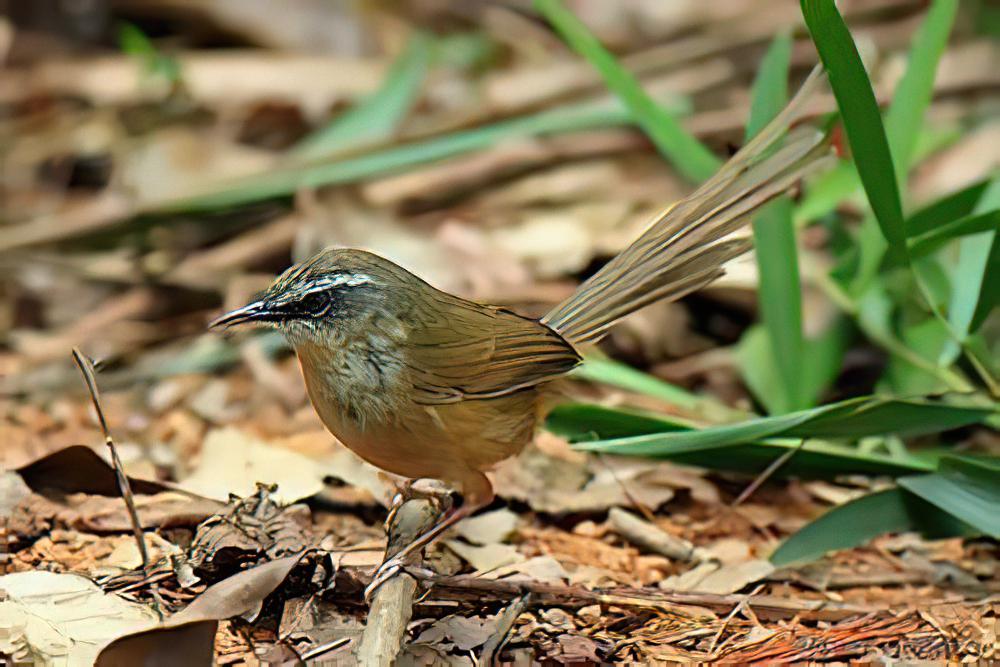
188 636
488 528
62 619
233 462
488 557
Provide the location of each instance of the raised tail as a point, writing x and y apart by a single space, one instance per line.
685 247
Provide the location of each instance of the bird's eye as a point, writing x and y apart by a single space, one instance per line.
315 304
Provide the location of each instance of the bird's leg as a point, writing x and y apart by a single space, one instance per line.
478 493
400 497
409 488
391 566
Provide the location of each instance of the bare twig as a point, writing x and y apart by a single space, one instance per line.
729 617
699 606
504 625
87 369
650 536
321 649
770 470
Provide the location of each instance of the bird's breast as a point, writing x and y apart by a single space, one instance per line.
357 384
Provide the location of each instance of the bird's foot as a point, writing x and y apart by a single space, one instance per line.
430 489
386 571
397 502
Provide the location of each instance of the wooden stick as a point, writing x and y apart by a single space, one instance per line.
392 604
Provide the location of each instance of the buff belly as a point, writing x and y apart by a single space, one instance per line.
451 442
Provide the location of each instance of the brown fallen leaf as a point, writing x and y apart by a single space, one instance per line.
62 618
233 462
188 637
79 469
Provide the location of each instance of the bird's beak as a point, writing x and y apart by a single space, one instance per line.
252 312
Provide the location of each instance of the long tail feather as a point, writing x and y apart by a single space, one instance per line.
685 247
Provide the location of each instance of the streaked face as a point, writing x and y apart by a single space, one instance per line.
304 301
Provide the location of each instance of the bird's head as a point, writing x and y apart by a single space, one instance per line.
311 302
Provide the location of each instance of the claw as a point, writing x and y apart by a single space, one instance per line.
397 502
386 571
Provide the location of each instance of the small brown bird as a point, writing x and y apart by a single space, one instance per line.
425 384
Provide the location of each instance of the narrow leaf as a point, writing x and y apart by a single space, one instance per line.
913 95
928 242
856 522
854 418
977 279
287 180
862 121
779 293
957 205
964 488
684 151
375 118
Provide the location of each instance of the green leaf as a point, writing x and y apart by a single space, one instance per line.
134 42
617 374
285 181
584 423
779 293
375 118
769 93
977 278
580 422
957 205
976 223
858 521
913 95
862 122
826 192
819 367
966 488
853 418
684 151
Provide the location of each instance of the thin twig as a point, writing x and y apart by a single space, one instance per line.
764 476
729 617
505 624
87 369
321 649
684 604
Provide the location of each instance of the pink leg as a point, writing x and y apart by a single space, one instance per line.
478 492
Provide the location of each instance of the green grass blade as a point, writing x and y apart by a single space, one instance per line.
582 422
375 118
685 152
617 374
913 95
856 522
285 181
769 92
827 192
969 493
977 279
855 418
976 223
957 205
862 121
779 292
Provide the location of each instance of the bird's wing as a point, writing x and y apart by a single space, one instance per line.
463 350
